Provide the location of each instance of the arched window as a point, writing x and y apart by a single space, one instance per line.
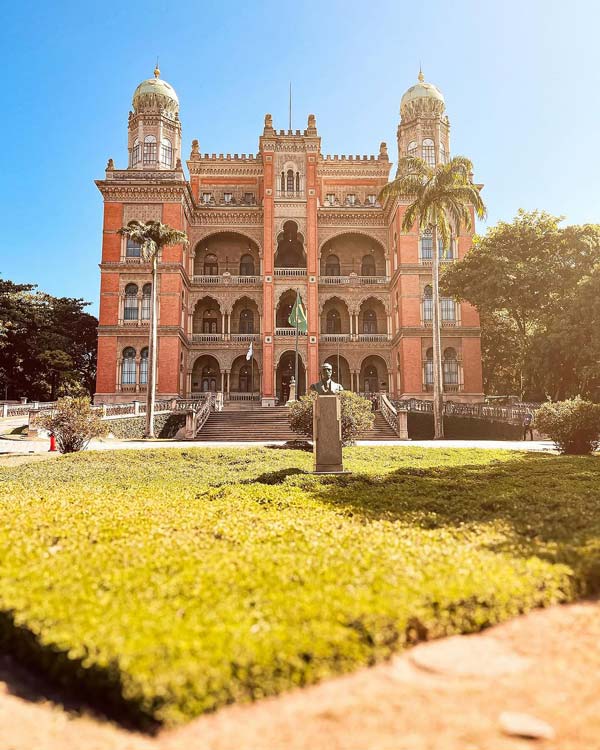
132 249
211 265
332 265
450 366
370 321
246 321
334 322
428 369
448 309
209 321
290 181
442 153
128 366
144 366
426 245
427 304
412 149
429 152
246 265
146 300
136 153
367 267
283 182
149 150
166 152
297 182
130 311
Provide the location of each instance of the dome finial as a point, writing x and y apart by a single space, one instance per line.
421 77
156 69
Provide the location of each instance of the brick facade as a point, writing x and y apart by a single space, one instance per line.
261 227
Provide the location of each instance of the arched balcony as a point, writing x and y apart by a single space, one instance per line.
374 323
353 258
208 321
335 321
283 327
290 258
244 320
374 376
226 258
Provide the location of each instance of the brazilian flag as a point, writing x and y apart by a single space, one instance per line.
298 315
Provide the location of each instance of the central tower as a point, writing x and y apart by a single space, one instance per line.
291 262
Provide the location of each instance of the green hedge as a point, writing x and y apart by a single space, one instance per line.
420 427
171 582
133 428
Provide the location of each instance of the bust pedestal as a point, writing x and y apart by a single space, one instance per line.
327 435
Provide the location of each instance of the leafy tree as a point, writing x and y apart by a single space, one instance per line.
357 416
152 237
46 343
442 200
525 279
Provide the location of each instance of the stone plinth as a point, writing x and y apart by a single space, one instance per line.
327 435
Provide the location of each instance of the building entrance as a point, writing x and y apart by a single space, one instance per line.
285 373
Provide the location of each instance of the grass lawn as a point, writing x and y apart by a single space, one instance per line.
170 582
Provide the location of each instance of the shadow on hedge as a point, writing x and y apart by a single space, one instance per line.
551 503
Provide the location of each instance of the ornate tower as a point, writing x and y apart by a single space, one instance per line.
424 129
154 140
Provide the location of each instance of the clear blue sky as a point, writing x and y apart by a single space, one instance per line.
521 82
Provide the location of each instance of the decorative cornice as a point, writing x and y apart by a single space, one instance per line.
346 217
227 217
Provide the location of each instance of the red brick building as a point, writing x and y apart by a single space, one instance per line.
261 227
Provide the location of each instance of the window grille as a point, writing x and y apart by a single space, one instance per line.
144 366
128 366
166 152
132 249
429 152
146 299
130 311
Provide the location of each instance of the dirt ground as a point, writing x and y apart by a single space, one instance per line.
443 695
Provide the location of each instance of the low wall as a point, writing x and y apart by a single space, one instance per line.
420 427
133 428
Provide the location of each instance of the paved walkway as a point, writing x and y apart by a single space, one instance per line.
17 445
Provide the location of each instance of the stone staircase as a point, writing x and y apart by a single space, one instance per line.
264 424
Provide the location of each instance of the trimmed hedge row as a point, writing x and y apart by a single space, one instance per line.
133 428
420 427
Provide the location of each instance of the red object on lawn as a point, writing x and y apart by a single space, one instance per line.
52 447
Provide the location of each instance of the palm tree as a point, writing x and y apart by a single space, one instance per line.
152 237
441 201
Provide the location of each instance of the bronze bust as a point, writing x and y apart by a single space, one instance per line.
326 386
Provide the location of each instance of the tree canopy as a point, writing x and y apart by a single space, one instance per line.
535 286
47 344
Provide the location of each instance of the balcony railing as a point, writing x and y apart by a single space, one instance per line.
287 332
429 261
334 337
225 278
290 194
245 337
372 279
207 338
134 323
373 337
290 272
353 279
445 323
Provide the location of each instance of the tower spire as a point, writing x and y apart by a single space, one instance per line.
156 69
421 77
290 105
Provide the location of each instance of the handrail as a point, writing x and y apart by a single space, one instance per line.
389 411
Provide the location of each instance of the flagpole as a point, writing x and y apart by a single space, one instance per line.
252 369
296 367
339 376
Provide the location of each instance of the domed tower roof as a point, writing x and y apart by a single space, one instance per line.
154 93
422 99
